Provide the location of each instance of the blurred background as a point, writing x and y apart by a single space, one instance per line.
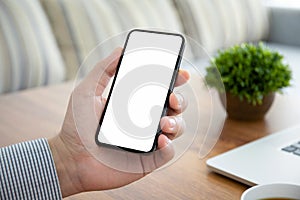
44 42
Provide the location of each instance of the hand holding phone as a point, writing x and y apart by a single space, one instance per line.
75 147
139 95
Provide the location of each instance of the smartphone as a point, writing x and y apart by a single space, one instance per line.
138 97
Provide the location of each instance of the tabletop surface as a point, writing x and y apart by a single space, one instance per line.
39 113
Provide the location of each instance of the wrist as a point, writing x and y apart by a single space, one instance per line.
65 167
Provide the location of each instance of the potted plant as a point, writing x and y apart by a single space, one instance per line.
251 75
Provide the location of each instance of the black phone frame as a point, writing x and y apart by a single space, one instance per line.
166 104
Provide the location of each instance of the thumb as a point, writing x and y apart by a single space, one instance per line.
99 77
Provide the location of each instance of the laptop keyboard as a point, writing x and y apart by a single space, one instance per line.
294 148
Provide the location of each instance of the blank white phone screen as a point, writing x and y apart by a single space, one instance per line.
140 90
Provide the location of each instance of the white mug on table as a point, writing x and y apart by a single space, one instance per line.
272 191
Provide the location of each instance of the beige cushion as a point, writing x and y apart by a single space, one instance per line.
29 55
80 25
217 24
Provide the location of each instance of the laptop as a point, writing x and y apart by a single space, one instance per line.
274 158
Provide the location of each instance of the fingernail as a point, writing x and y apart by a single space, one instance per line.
172 124
179 100
116 52
168 141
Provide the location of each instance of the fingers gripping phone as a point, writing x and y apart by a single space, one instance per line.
139 94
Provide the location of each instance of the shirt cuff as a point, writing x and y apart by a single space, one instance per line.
27 171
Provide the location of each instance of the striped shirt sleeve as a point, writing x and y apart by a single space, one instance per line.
27 171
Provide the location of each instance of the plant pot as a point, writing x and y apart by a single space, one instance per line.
243 110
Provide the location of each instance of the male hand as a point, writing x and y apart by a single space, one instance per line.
78 169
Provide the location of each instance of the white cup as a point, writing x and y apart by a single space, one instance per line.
274 190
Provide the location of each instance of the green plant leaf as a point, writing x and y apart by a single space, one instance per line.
248 71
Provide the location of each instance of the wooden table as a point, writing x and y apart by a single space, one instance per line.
39 113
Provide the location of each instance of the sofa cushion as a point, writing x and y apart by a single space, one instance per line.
28 52
217 24
80 25
284 25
